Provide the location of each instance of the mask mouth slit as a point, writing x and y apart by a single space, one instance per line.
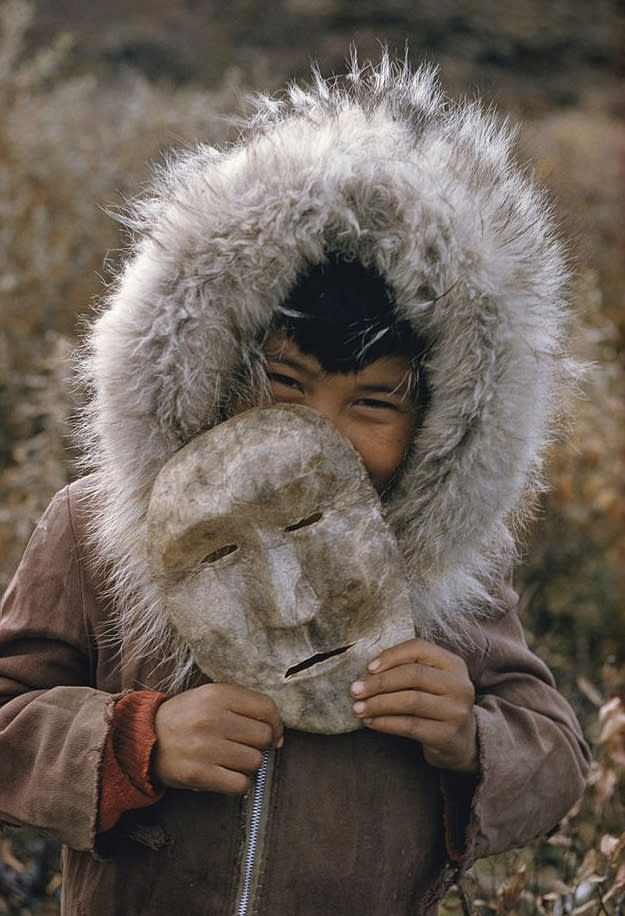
315 659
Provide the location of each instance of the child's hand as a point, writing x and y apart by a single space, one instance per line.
211 738
420 691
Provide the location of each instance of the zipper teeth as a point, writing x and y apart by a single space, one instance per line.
255 816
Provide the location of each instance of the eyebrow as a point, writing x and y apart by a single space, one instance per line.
293 362
382 388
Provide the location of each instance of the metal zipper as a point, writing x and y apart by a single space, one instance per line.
257 809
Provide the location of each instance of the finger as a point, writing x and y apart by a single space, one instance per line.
215 779
409 703
251 732
229 754
247 703
261 708
416 651
425 731
405 677
228 782
443 745
215 765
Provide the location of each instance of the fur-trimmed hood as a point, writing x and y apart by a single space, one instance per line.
377 166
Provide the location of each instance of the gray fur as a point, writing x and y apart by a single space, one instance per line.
381 167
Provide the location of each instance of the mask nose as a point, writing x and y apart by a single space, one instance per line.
292 601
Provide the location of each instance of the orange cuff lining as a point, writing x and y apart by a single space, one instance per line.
125 775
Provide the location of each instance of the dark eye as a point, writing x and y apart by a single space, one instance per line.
278 378
305 522
218 554
376 404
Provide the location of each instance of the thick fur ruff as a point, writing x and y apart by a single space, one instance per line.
380 167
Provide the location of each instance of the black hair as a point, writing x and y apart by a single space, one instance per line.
343 314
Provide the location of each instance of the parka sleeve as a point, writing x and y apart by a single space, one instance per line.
533 757
53 723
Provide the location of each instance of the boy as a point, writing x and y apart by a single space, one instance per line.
370 253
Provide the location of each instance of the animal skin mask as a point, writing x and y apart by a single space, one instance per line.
266 539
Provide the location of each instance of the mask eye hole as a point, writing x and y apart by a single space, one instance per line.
219 554
305 522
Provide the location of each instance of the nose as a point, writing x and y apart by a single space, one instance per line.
329 406
321 400
291 599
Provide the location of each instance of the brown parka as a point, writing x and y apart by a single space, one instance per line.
353 824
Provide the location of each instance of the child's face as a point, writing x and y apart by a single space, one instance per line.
373 408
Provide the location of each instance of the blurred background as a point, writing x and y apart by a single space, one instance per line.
92 93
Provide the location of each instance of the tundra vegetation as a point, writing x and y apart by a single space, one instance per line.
71 146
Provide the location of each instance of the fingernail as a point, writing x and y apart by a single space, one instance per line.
358 687
374 665
358 707
280 742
